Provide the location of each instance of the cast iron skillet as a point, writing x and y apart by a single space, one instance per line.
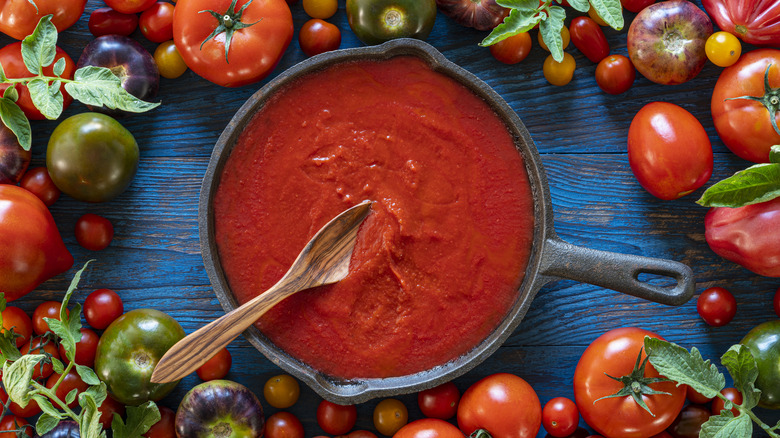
551 258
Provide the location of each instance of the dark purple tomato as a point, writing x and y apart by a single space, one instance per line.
65 429
716 306
13 158
106 21
479 14
219 405
688 422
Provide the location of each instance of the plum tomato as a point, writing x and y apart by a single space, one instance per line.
636 5
776 302
716 306
560 417
723 49
169 62
565 38
94 232
733 395
281 391
130 6
503 404
217 367
377 21
317 36
156 22
12 422
16 318
440 401
763 341
14 160
102 307
336 419
513 49
108 408
165 427
615 74
47 309
86 347
428 428
38 181
42 345
559 73
322 9
668 150
390 415
688 422
588 38
71 381
106 21
283 425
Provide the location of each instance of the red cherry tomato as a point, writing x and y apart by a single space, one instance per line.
636 5
217 367
40 345
106 21
47 309
560 417
94 232
32 409
696 398
513 49
21 323
71 381
733 395
716 306
12 422
439 402
102 307
130 6
318 36
588 38
615 74
86 348
38 181
156 23
166 427
336 419
502 403
107 409
283 425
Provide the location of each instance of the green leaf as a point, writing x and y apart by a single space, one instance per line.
17 376
139 420
89 422
59 67
98 393
774 154
744 371
97 86
40 47
550 29
13 117
727 426
516 22
68 328
71 396
580 5
3 77
57 365
8 348
47 100
87 375
11 93
611 11
45 424
47 407
757 183
687 368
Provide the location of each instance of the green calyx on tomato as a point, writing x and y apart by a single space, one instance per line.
229 23
637 385
770 99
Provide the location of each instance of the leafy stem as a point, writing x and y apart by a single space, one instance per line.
52 395
637 385
770 99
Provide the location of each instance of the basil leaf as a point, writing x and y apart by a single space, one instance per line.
17 376
97 86
727 426
757 183
518 21
551 31
744 371
87 375
40 47
13 117
48 100
139 420
580 5
59 67
611 11
45 424
676 363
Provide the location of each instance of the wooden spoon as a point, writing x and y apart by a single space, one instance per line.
324 260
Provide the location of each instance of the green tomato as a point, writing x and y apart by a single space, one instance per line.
377 21
92 157
764 343
129 350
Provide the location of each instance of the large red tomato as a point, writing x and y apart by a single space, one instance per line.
615 353
18 18
257 35
503 404
429 428
755 21
745 125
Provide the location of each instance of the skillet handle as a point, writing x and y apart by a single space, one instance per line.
618 272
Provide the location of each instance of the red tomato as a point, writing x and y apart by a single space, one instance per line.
86 348
429 428
166 427
13 66
336 419
283 424
106 21
503 404
317 36
636 5
560 417
47 309
744 125
254 50
102 307
40 345
32 409
11 422
38 181
94 232
733 395
18 18
696 398
217 367
513 49
716 306
439 402
615 353
588 38
615 74
107 410
71 381
156 22
16 318
668 150
755 21
130 6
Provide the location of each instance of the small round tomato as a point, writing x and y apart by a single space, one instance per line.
47 309
283 425
156 22
71 381
217 367
513 49
106 21
763 341
12 422
588 38
559 73
16 318
669 150
165 427
723 49
439 402
560 417
688 422
38 181
389 416
318 36
169 62
733 395
281 391
107 409
32 409
42 345
130 6
322 9
377 21
428 428
615 74
696 398
503 404
636 5
776 302
336 419
94 232
85 348
565 38
716 306
102 307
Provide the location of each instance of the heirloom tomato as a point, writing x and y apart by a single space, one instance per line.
429 428
763 341
479 14
18 18
240 47
688 422
588 38
620 353
747 125
503 404
755 21
668 150
377 21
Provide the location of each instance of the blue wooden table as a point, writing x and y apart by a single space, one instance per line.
155 259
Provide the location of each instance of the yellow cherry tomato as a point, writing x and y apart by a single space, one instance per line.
565 36
723 49
389 416
281 391
322 9
596 17
169 61
559 73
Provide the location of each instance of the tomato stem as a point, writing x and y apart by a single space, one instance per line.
770 100
228 23
636 385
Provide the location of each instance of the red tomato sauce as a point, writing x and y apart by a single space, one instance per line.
438 261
